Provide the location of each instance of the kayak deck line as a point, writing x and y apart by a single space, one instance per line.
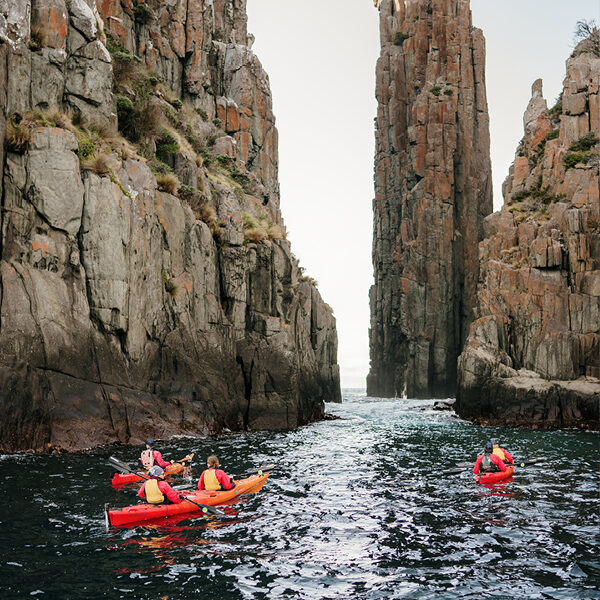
144 512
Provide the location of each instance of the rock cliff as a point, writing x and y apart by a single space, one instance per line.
533 354
147 288
432 192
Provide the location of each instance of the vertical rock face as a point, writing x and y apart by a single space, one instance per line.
124 314
533 354
432 191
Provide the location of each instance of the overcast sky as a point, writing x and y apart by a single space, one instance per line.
320 56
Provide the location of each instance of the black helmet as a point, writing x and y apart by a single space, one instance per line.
149 442
488 447
494 441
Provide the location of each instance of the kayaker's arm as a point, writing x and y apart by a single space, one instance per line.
226 482
498 462
169 492
158 459
477 463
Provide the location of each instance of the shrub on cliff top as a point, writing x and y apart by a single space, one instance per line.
588 141
587 32
556 110
166 145
143 13
572 159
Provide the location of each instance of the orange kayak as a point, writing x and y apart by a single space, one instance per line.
145 512
499 477
173 469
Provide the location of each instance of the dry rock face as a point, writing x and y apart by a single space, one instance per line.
122 315
432 192
533 354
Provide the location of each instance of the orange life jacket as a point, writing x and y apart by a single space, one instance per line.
153 493
147 458
211 482
500 453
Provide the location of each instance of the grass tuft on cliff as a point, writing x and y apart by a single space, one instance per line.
168 182
260 227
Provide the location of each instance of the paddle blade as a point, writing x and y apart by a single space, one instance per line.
532 461
120 465
454 471
187 458
260 471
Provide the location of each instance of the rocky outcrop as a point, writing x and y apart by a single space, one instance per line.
432 191
127 312
533 354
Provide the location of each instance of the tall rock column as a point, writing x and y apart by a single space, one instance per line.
432 191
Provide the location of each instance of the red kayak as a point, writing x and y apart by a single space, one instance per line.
498 477
145 512
173 469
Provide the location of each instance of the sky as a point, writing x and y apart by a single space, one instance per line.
320 56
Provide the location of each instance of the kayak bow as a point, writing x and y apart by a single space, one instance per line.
145 512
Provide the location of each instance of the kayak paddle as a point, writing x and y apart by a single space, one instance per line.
205 508
453 471
121 466
529 461
187 458
259 471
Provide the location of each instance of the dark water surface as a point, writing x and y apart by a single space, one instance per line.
355 510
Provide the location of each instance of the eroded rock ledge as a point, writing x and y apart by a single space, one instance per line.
125 315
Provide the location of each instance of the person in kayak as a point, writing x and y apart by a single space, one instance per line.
488 462
213 478
156 490
150 457
504 455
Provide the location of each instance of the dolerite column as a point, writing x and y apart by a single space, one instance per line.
432 190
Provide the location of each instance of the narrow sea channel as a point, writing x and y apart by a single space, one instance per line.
356 509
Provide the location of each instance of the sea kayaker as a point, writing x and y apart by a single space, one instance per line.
156 490
504 455
488 462
150 457
213 478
